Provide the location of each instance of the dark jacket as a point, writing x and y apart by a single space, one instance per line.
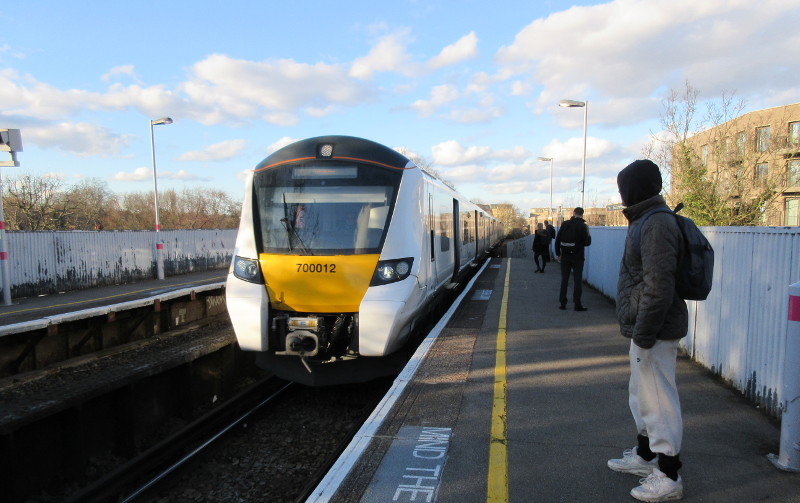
567 248
551 230
648 308
541 244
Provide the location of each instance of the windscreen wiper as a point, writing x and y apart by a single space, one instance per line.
291 232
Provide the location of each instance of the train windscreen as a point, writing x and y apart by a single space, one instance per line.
325 208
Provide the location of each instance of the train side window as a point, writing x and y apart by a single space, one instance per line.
444 226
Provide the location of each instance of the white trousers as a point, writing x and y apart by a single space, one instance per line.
653 396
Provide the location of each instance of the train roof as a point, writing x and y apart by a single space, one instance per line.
334 147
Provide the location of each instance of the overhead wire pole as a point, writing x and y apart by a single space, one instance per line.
585 105
159 246
550 209
4 269
11 142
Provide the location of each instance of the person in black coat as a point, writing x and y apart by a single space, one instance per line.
541 247
552 231
572 238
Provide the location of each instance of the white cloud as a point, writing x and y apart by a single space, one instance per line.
138 175
572 149
507 188
182 175
388 55
82 139
120 70
146 174
452 153
221 88
632 49
440 96
282 142
465 48
218 152
466 173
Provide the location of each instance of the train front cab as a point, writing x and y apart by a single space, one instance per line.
308 251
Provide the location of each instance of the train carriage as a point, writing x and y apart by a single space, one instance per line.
343 244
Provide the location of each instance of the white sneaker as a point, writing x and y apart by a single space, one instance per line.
631 462
658 487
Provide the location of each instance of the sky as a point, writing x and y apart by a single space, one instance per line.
471 87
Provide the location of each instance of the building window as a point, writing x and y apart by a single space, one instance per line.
741 140
704 154
794 173
794 133
762 139
792 217
762 171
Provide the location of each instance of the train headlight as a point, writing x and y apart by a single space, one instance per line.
247 269
389 271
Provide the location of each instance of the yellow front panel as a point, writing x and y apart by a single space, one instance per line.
317 284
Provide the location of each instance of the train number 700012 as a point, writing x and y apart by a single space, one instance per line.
317 268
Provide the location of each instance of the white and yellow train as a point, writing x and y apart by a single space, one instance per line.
344 244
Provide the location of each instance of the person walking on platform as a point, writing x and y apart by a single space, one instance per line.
541 247
572 238
552 232
655 318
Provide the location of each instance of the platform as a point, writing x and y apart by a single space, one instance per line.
81 302
563 415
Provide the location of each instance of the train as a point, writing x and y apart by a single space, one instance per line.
343 246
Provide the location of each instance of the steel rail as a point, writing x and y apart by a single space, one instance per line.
111 483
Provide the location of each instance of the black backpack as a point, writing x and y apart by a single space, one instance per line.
568 237
696 262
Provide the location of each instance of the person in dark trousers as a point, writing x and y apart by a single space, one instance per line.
655 318
552 231
541 247
572 238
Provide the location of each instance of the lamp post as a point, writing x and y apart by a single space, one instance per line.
550 208
159 244
585 105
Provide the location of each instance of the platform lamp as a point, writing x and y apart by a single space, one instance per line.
585 105
550 208
10 143
159 244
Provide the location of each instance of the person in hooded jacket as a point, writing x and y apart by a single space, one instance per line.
655 318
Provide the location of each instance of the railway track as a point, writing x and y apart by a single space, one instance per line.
183 445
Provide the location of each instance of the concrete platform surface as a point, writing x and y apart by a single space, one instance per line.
35 308
566 412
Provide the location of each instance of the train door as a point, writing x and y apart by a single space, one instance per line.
478 235
432 240
456 239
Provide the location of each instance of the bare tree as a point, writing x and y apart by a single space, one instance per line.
706 162
425 165
92 206
33 203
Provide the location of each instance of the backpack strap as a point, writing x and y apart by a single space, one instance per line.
637 233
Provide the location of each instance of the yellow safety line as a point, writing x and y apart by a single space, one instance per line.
498 449
102 298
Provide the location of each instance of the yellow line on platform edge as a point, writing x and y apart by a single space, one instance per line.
497 490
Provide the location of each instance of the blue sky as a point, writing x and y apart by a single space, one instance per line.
471 86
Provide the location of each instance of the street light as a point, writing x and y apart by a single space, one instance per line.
550 209
159 245
585 105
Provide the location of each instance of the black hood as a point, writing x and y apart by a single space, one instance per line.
639 180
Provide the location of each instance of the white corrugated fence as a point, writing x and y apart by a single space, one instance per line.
739 332
46 262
